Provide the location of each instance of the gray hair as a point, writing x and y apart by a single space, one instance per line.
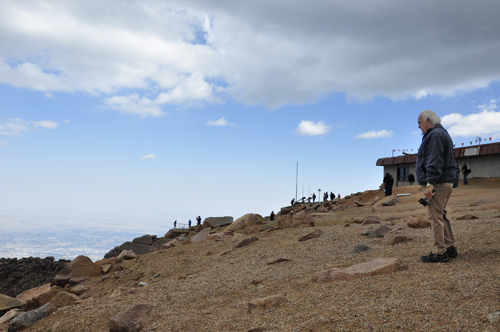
428 114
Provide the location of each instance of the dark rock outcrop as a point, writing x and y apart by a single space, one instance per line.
19 275
140 245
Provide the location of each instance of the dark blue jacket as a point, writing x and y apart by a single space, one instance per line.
436 160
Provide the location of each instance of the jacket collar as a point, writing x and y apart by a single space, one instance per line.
431 129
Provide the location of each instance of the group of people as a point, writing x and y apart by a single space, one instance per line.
313 198
198 220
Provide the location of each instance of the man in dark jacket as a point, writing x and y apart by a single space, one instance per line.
411 179
388 183
436 171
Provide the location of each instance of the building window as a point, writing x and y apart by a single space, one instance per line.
403 172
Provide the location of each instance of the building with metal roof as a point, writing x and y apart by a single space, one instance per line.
483 160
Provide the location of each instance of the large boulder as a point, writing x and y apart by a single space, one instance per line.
391 200
418 222
159 243
200 236
31 293
145 239
175 233
133 319
8 303
64 299
24 320
41 299
127 254
295 220
215 222
250 219
137 248
361 270
81 266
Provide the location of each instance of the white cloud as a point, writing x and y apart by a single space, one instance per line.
149 156
376 134
45 124
312 129
66 121
221 122
14 127
199 51
4 143
487 122
134 104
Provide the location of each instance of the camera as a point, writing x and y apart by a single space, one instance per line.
423 201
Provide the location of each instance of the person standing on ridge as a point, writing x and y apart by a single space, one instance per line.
388 183
436 172
314 197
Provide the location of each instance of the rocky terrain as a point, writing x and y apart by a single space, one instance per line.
19 275
349 265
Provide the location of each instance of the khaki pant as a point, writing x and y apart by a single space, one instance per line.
436 214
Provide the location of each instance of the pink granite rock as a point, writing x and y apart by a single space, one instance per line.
361 270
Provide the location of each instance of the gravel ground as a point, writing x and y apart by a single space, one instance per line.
198 289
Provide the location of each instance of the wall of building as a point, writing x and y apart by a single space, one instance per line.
487 166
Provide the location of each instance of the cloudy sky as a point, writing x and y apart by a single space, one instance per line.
164 110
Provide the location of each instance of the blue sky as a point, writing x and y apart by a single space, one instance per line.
162 110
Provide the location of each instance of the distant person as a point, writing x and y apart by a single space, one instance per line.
436 172
293 201
325 196
339 196
314 197
411 179
175 224
272 216
465 172
198 220
388 183
309 199
303 199
332 196
189 223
